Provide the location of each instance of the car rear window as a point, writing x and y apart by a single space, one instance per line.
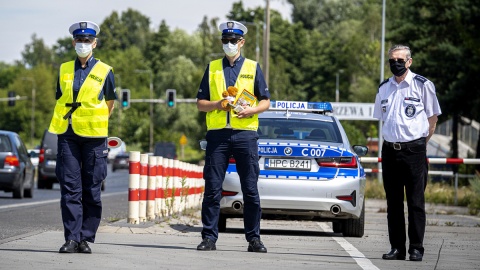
299 129
5 145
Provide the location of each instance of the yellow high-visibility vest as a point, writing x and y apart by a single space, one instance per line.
218 119
90 119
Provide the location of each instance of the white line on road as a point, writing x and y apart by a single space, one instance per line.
49 201
361 260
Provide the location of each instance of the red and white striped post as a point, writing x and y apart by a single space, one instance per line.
133 186
152 179
142 202
159 187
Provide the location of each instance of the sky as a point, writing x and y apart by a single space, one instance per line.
50 19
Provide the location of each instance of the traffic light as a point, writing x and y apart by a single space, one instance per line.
125 98
171 97
11 95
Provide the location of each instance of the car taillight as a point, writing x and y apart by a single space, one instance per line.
41 156
11 161
228 193
352 198
338 162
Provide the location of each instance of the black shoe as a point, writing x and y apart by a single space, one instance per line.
70 246
416 255
256 246
207 244
394 254
84 248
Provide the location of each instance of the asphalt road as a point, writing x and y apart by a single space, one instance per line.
31 233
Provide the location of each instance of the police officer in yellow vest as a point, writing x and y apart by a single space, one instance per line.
85 97
232 133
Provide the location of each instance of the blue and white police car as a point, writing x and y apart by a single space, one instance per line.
308 169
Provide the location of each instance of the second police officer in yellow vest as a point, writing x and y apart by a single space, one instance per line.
85 98
230 133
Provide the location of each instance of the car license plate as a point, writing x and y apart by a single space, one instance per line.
123 161
288 164
51 162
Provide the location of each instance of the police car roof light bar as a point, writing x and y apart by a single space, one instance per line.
301 106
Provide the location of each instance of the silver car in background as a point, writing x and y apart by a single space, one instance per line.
308 170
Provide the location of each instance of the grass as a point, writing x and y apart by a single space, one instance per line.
438 193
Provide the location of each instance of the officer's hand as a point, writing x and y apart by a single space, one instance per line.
246 112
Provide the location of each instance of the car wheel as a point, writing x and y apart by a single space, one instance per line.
222 223
18 191
28 193
337 226
355 227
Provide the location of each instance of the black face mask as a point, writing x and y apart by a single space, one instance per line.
398 69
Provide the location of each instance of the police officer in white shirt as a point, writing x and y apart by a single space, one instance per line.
408 106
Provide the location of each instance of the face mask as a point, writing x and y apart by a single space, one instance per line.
398 69
230 49
83 49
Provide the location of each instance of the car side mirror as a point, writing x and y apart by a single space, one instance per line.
360 150
203 144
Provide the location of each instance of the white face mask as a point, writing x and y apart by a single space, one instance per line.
230 49
83 49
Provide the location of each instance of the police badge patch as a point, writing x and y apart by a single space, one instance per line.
410 110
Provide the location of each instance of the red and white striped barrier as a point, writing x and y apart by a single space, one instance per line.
160 187
133 186
430 160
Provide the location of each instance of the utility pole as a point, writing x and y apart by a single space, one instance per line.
32 120
266 43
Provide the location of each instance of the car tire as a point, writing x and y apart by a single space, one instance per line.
44 183
355 227
18 191
222 223
337 226
28 193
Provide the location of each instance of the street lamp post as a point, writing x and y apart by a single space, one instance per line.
151 104
32 121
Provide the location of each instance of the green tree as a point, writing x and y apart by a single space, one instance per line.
36 53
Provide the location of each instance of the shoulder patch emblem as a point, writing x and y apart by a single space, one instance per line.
384 82
420 78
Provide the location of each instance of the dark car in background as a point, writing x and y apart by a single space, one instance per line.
16 169
166 150
47 162
120 162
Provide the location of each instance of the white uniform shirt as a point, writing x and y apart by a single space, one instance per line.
405 108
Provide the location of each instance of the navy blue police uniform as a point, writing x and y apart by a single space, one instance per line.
222 144
81 160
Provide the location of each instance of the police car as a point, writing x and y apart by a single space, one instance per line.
308 169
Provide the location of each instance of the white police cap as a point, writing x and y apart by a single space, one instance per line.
85 28
232 28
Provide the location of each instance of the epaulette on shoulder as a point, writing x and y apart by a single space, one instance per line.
420 78
384 82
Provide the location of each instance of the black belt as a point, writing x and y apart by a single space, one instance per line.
74 106
404 145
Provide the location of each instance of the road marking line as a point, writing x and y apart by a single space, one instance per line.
49 201
361 260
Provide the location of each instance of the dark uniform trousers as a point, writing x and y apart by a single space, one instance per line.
81 168
221 144
405 169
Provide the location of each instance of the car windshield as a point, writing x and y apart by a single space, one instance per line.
299 129
5 145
